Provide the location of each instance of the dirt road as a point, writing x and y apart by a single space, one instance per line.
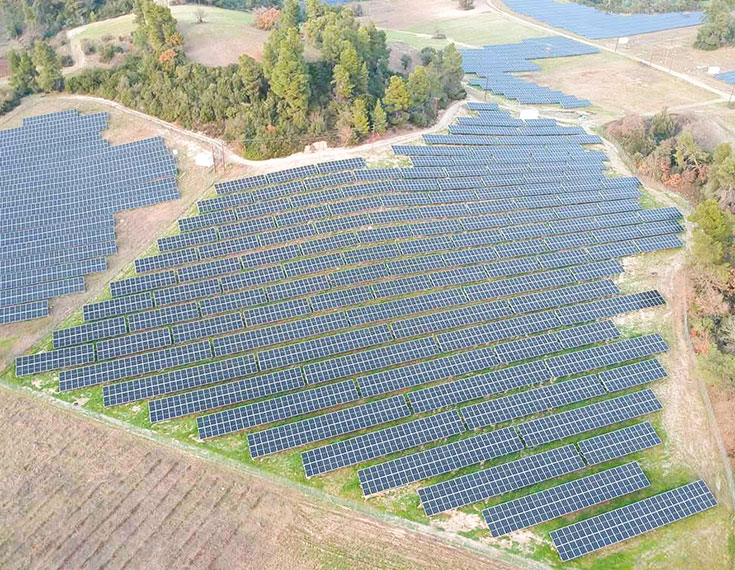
79 494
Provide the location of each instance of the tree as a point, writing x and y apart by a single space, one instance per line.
291 14
380 119
689 155
289 79
418 87
427 55
199 15
719 29
360 119
23 73
396 100
452 73
266 18
406 61
466 4
662 126
343 86
721 182
48 67
251 73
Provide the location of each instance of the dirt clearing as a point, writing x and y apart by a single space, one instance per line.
80 494
617 86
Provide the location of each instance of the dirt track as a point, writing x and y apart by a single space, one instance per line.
80 494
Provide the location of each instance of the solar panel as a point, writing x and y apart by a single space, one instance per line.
178 380
619 443
207 327
322 427
610 307
532 401
593 416
115 307
187 292
89 332
494 481
142 283
133 343
133 365
565 499
607 355
632 520
162 317
382 442
480 386
276 409
54 359
351 364
632 375
225 394
438 460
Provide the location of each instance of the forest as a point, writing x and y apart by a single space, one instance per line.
679 152
269 108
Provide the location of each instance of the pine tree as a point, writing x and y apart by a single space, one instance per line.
251 73
360 120
418 87
396 100
48 67
380 119
290 14
452 73
22 72
289 79
343 86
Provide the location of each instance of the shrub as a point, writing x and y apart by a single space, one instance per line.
89 47
266 18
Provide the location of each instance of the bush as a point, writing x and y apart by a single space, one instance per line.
89 47
66 61
108 52
266 18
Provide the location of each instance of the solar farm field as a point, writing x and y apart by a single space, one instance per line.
448 342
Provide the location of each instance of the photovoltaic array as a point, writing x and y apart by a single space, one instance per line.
494 66
596 24
414 322
61 184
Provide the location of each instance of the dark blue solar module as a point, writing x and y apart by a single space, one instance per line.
727 77
596 24
477 276
60 227
565 499
494 65
632 520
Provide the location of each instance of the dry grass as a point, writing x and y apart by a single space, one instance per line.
86 495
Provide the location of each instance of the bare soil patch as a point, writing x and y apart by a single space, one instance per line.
674 49
80 494
617 86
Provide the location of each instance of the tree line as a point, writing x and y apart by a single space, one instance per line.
677 152
276 106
